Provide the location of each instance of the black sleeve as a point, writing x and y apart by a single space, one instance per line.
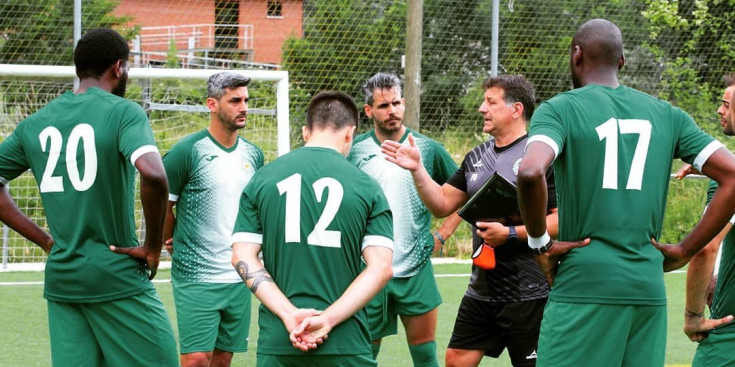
458 179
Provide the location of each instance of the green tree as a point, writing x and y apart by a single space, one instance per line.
41 31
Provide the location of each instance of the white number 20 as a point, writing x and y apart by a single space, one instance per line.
608 131
51 142
320 236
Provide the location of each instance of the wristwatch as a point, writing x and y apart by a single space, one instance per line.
511 233
542 249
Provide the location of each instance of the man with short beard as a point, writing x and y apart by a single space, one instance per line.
83 149
714 348
412 293
207 172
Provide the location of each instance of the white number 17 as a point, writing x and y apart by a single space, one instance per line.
608 131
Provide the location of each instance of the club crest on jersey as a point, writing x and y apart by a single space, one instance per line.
246 165
473 177
516 166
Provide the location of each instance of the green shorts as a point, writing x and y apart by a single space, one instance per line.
415 295
212 315
133 331
715 351
359 360
583 334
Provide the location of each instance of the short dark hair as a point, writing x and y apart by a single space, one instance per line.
332 109
380 81
516 88
97 50
729 80
218 83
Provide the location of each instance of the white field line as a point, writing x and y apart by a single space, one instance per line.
167 265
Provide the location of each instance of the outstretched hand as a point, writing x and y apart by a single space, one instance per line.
405 156
697 328
549 261
674 255
310 333
143 255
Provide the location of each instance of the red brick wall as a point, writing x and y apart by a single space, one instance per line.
268 33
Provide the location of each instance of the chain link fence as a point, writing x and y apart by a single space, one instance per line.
675 50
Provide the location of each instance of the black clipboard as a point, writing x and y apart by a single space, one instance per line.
495 201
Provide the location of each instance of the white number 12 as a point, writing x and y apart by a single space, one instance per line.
320 236
608 131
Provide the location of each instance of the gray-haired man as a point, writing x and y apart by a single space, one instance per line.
207 172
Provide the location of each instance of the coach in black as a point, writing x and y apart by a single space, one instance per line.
503 305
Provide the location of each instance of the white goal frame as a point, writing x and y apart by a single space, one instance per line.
280 77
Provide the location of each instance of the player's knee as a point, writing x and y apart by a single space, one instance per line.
200 359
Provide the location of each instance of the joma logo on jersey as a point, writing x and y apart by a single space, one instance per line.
371 156
211 158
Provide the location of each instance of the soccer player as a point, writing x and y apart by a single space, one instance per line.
206 170
412 293
715 346
83 149
612 149
314 215
502 306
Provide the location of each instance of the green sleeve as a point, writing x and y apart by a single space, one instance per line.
13 160
135 131
248 222
547 126
177 163
379 228
691 139
444 166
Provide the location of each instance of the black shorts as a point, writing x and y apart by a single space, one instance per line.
492 327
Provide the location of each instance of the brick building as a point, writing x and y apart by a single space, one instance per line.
205 31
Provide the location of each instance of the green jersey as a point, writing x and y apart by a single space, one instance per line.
411 220
614 149
723 301
82 150
204 178
314 213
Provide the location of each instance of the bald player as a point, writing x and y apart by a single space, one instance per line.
612 149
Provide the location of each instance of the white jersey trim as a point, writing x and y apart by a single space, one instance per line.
172 197
142 150
247 237
3 181
704 155
379 241
546 140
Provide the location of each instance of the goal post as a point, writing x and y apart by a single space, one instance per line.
279 77
174 100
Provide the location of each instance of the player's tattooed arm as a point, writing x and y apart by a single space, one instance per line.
258 276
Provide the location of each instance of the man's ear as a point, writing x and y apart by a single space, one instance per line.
350 134
305 133
621 62
576 55
368 111
518 110
212 105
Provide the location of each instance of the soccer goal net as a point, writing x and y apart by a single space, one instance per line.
174 100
